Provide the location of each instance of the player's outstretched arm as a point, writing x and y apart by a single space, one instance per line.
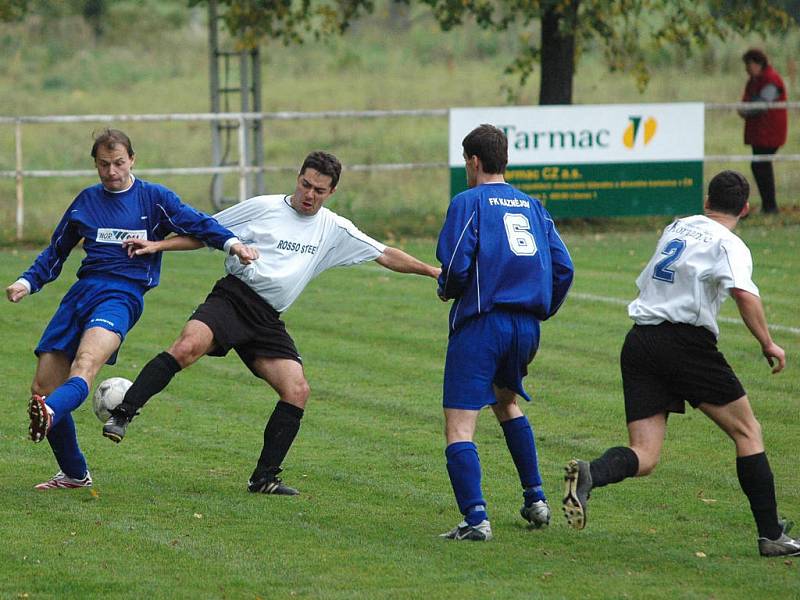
402 262
245 254
138 247
752 312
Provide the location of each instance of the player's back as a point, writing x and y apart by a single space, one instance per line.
696 262
495 250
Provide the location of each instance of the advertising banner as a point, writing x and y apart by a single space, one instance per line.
596 160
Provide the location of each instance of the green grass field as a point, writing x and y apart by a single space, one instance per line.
169 516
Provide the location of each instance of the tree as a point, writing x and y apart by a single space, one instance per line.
13 10
625 29
252 21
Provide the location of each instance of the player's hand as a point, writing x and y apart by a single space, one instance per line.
16 292
137 247
775 356
246 254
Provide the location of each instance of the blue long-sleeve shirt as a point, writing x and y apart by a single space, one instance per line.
499 248
105 219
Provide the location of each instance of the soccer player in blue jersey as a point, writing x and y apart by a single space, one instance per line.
104 304
506 268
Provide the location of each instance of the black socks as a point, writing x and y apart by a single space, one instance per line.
758 484
615 465
153 378
281 429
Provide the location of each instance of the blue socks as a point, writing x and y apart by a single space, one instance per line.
62 436
464 468
521 445
67 397
63 440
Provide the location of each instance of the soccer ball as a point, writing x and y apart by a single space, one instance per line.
108 395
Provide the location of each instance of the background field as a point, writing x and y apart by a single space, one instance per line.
169 516
151 62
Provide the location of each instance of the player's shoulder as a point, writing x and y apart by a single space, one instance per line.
152 190
335 219
269 200
89 193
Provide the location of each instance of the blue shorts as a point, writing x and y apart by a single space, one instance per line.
112 303
490 349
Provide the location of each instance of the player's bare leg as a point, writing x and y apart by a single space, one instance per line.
288 379
194 342
646 437
755 475
521 444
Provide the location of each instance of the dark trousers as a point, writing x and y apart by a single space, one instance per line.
765 179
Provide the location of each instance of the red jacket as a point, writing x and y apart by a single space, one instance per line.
769 128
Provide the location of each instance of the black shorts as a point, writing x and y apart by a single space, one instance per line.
666 365
240 319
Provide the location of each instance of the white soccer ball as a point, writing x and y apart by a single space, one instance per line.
108 395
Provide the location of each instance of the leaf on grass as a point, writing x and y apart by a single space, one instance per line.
198 516
94 494
700 554
708 500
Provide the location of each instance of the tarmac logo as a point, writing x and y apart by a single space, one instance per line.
632 131
109 235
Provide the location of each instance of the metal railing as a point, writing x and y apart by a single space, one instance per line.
243 170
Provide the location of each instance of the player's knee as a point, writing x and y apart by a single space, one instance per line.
86 366
186 351
297 393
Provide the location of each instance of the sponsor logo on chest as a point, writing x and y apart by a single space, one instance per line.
111 235
297 247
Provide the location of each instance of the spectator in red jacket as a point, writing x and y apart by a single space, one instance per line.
764 129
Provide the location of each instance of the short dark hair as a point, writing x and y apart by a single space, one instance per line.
756 56
325 163
728 192
489 144
109 138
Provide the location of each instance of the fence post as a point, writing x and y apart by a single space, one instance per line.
242 159
20 194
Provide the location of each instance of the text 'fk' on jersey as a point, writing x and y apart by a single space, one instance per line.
500 248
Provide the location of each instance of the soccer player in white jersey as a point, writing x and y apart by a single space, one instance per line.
297 239
104 304
670 357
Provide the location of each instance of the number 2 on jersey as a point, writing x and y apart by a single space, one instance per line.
672 250
518 231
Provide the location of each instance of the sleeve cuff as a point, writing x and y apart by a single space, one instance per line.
227 246
24 282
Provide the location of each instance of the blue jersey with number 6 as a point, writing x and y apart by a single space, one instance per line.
499 248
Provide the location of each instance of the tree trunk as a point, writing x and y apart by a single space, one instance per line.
558 55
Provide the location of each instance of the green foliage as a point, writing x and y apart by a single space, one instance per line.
253 22
626 30
13 10
170 517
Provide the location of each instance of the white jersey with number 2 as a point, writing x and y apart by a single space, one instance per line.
695 265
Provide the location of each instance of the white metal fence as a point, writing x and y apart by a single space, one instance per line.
243 170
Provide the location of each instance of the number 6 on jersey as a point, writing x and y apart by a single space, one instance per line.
518 231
